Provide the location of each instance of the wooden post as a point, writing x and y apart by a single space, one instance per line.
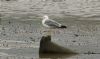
46 46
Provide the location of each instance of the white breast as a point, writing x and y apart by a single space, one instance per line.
43 22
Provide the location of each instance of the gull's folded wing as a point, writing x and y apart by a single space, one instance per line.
52 23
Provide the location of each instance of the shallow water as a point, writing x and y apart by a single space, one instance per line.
30 53
21 21
31 31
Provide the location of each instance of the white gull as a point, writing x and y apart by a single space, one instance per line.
51 23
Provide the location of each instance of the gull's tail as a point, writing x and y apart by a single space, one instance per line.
63 26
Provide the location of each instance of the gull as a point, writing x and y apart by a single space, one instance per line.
49 23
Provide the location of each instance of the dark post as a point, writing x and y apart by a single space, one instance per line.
47 46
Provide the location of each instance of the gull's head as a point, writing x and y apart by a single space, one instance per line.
45 17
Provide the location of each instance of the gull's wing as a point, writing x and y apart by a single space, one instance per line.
52 23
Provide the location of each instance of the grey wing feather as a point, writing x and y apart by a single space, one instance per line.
52 23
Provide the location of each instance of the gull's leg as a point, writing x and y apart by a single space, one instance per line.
49 31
